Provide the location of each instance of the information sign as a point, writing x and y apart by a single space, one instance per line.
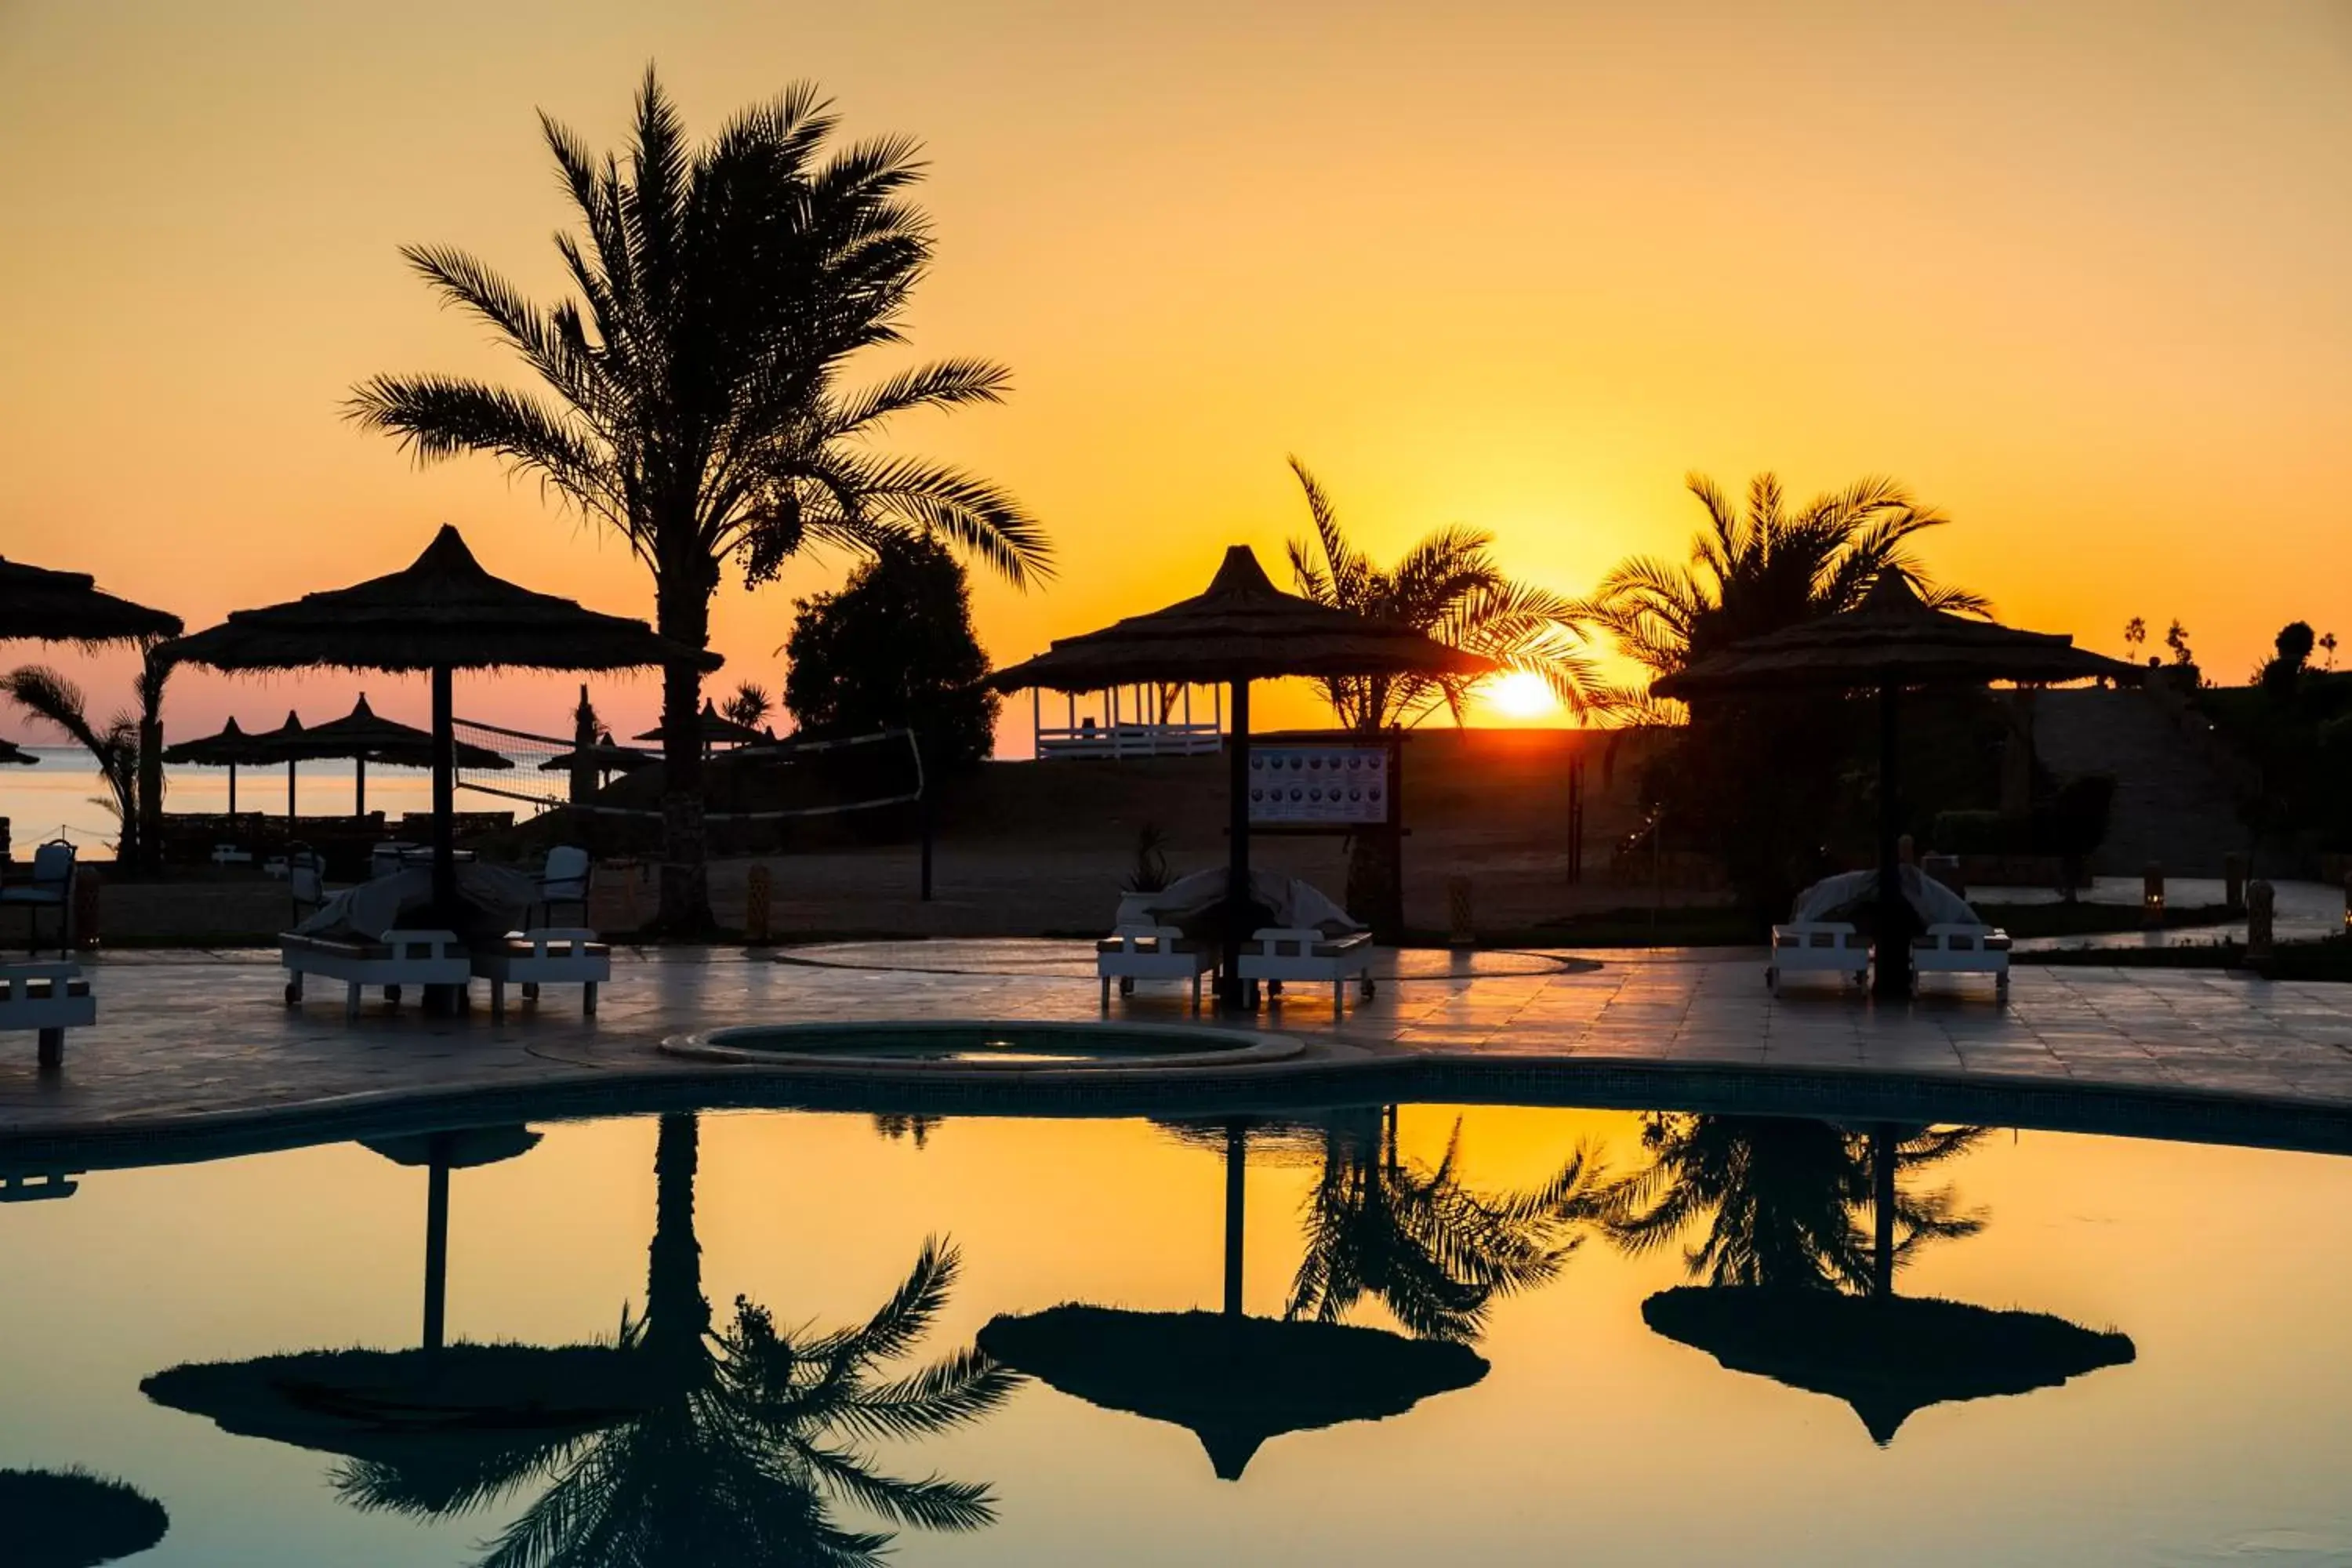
1340 784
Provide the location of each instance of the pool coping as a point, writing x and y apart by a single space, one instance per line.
1317 1080
1242 1048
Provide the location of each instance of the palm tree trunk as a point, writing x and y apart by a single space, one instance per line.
684 609
152 678
677 1314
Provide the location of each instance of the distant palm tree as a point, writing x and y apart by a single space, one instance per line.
1760 570
755 1436
698 406
1777 1198
750 705
1448 586
1431 1250
51 698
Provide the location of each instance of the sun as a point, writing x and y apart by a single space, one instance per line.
1520 694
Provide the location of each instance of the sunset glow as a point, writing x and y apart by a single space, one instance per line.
1518 696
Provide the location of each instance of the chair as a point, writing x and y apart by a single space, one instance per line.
306 882
544 956
564 880
1134 952
1947 949
402 958
49 998
50 889
1817 947
1277 953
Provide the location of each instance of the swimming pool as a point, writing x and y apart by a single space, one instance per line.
1383 1335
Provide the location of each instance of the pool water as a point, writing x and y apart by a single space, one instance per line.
682 1340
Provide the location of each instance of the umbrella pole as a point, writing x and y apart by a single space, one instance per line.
359 786
1894 978
1236 847
1236 1177
290 766
1882 1206
436 1243
232 794
445 798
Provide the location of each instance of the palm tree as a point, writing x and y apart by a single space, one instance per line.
753 1439
750 705
50 697
1434 1253
695 398
1446 587
1758 570
1777 1198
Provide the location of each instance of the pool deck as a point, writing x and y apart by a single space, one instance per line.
190 1044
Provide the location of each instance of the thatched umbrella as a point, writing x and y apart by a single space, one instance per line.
71 1519
1233 1381
284 745
15 755
67 606
715 730
1890 641
230 749
1242 628
365 737
439 1153
442 614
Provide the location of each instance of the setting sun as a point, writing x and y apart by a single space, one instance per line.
1519 694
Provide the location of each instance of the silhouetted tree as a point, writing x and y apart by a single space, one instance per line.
895 648
750 706
698 400
51 698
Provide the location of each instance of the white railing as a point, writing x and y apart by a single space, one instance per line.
1126 727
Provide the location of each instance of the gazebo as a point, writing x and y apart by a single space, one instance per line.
1240 629
439 615
1891 641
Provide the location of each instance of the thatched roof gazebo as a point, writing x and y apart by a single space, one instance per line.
1892 640
1239 629
40 606
441 613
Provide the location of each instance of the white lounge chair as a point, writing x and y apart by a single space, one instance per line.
1277 953
402 958
1963 949
564 880
544 956
51 887
49 999
1817 947
1134 952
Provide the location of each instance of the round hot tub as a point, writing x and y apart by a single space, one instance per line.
985 1046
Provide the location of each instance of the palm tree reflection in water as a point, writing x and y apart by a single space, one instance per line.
1778 1198
1434 1252
753 1438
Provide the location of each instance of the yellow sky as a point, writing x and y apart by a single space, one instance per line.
2075 273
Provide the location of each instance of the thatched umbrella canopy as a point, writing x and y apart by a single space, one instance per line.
441 613
365 737
1890 641
230 749
71 1519
1241 628
1886 1357
41 605
13 753
713 728
1233 1379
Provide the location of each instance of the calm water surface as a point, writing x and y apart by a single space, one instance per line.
2215 1430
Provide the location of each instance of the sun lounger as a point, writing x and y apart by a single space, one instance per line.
544 956
1277 953
402 958
1150 952
49 998
1963 949
1817 947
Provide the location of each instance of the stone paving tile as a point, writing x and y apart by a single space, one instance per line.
191 1033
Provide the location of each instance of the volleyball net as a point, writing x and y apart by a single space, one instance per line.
774 782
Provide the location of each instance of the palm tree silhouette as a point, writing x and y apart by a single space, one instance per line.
753 1436
1758 570
1431 1250
1777 1198
698 405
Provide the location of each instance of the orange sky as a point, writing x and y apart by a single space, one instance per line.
2074 273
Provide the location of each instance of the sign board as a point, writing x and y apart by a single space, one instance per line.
1340 784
